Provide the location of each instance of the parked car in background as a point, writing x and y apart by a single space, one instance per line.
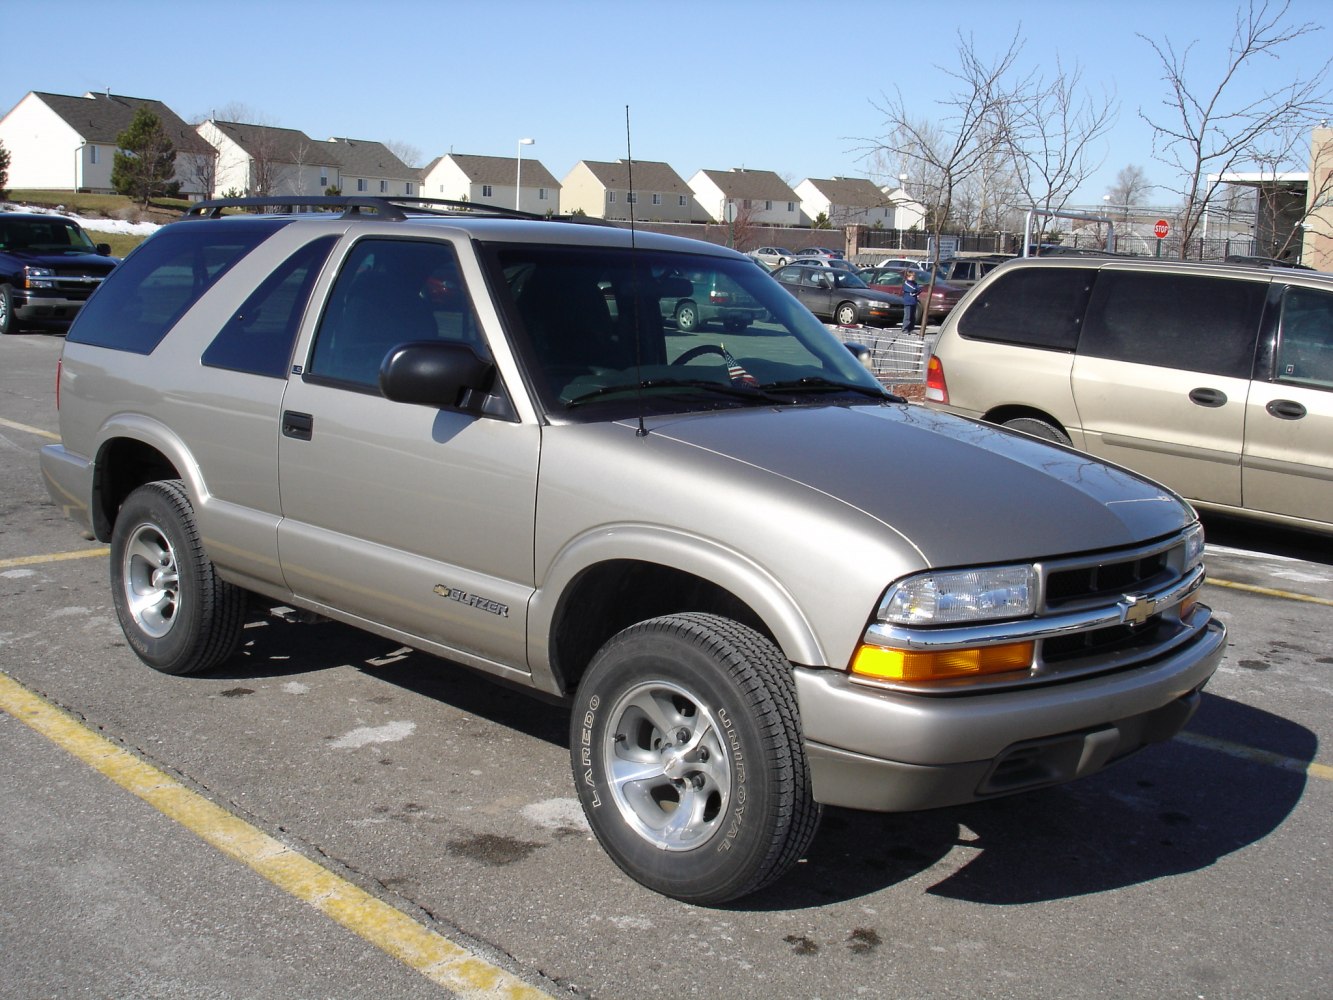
710 296
773 256
918 263
835 262
48 268
819 252
966 271
839 296
943 295
1215 379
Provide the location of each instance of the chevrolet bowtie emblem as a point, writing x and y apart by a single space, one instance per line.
1135 609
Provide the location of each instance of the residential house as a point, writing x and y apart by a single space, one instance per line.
908 213
264 160
62 143
758 197
603 191
366 167
492 180
845 201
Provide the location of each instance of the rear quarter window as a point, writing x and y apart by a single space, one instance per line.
1032 307
1182 321
145 296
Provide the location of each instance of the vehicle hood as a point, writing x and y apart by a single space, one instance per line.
958 491
65 261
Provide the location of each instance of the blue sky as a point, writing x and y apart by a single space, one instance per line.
776 85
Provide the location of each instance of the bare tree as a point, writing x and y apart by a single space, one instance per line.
1208 129
1051 130
1131 185
941 157
405 151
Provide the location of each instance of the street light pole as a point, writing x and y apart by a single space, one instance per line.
518 181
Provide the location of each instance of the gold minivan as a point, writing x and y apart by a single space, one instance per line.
1214 379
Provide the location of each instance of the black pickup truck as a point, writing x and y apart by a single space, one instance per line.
48 268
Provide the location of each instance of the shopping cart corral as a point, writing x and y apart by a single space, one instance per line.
895 357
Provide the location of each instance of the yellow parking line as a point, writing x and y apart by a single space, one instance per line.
14 425
439 959
1286 595
1255 755
51 557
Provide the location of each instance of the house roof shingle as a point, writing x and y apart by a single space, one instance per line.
853 192
100 118
500 170
649 175
279 145
753 184
366 158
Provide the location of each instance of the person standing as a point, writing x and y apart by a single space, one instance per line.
911 290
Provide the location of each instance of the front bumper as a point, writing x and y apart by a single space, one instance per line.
890 751
54 308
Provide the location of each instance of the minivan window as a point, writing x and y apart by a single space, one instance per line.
1034 307
1305 345
162 278
1182 321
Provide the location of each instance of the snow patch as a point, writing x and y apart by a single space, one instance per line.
366 735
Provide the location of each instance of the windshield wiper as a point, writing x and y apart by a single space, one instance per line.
721 388
817 383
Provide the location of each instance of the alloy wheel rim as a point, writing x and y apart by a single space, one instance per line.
151 580
666 762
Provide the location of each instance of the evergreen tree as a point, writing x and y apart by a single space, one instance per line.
145 160
4 171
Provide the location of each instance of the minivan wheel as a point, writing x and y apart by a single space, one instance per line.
177 614
845 314
1039 429
687 317
7 322
686 750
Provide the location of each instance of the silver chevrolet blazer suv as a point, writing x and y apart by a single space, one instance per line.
761 582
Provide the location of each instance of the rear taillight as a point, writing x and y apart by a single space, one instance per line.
719 298
937 390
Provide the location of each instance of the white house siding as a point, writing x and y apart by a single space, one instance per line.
46 153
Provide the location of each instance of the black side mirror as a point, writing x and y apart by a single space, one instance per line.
434 373
104 249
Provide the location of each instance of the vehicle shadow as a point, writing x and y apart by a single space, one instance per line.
1254 536
275 647
1174 808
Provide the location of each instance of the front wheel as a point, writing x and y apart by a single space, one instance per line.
176 613
845 314
686 750
8 324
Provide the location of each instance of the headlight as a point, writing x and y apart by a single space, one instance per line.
961 596
38 277
1194 547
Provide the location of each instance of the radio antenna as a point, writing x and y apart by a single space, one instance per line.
636 285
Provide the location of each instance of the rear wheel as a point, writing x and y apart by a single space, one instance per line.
1039 429
687 317
8 324
685 744
176 613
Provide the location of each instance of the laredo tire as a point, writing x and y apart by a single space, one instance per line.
685 744
177 615
1039 429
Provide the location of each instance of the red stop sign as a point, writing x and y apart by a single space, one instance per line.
1160 229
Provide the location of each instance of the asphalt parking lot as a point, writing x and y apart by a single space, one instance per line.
333 816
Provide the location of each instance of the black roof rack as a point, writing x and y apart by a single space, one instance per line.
395 209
